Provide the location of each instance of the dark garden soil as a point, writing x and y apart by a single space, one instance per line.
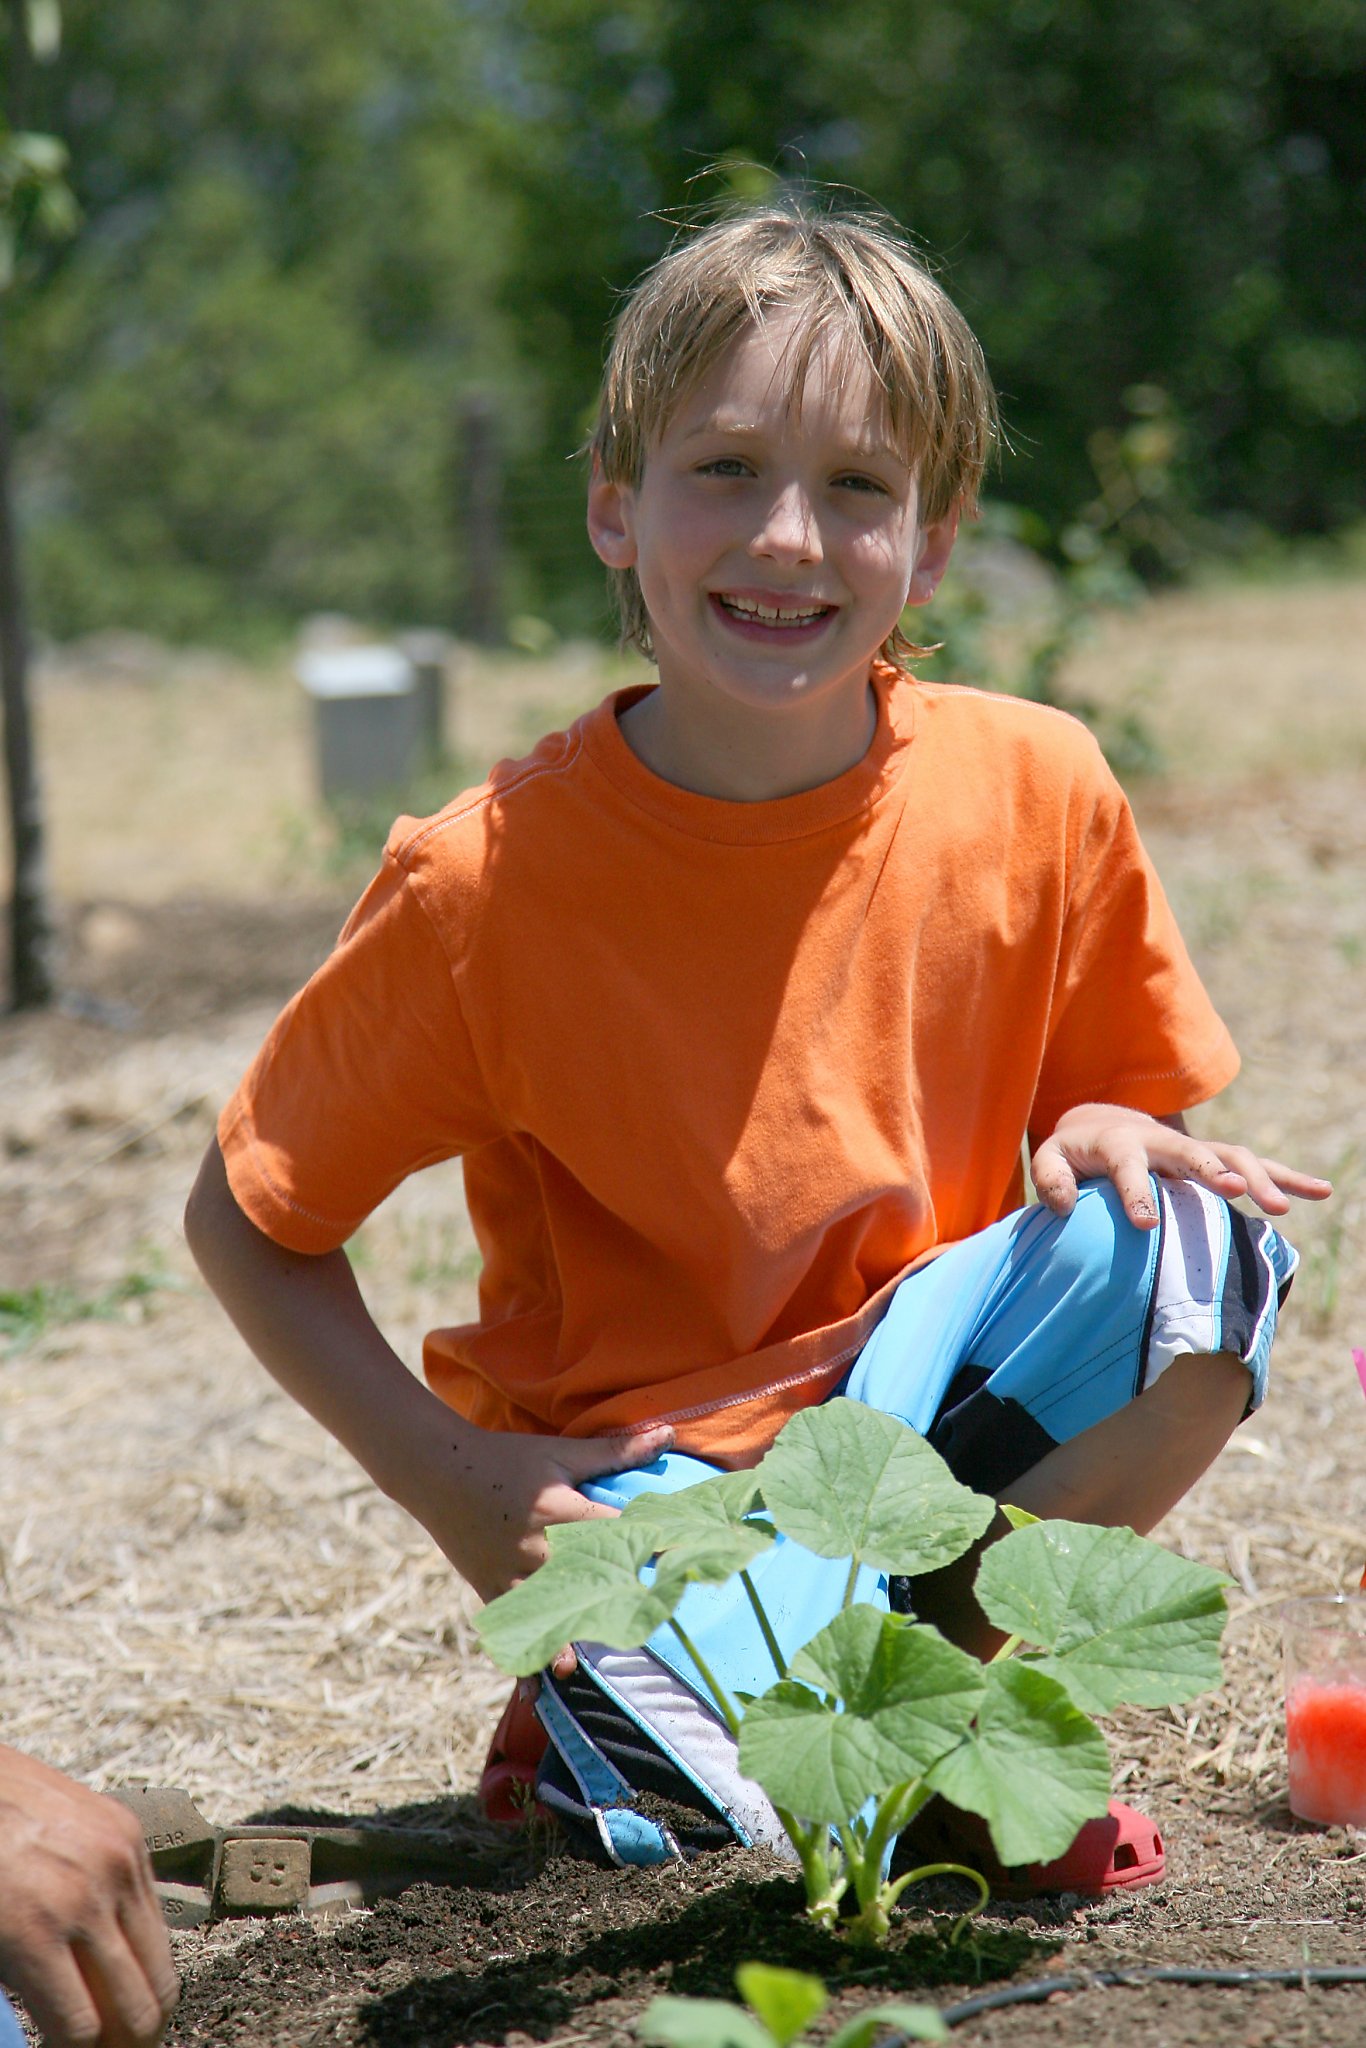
535 1946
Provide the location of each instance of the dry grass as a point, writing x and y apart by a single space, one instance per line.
198 1588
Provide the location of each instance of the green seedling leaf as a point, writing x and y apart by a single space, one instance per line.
727 1498
1120 1619
1018 1518
1033 1765
786 2001
705 1526
913 2022
908 1696
901 1676
794 1744
712 2023
740 1491
849 1482
701 2023
588 1589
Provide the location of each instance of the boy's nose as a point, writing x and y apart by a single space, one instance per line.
789 531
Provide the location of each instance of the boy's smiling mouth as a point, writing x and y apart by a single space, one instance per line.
772 614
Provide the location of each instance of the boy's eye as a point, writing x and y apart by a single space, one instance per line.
862 483
724 465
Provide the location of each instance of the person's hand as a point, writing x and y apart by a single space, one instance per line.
503 1491
82 1940
1100 1140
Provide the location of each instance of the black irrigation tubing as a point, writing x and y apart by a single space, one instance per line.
1041 1988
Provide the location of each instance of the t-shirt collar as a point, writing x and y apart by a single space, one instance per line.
858 790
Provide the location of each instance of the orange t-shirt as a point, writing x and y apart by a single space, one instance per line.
719 1073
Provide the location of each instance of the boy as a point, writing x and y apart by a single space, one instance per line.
739 1000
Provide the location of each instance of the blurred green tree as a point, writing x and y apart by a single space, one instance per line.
287 279
1154 212
1155 218
316 230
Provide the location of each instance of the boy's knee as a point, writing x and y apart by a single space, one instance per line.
1208 1281
1095 1246
1197 1383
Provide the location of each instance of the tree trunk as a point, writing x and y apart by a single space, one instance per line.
481 482
32 981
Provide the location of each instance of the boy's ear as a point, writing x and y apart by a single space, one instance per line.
611 520
936 545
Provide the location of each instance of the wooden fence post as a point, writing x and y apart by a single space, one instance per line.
480 475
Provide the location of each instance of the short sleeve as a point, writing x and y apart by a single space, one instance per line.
1130 1021
368 1075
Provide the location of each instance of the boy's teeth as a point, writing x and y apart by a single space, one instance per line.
785 614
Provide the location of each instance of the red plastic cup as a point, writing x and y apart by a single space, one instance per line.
1325 1708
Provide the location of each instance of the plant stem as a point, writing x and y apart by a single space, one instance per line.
895 1810
1007 1649
724 1707
823 1889
854 1849
851 1582
774 1647
892 1892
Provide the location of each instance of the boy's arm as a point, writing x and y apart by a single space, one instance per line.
484 1496
1101 1140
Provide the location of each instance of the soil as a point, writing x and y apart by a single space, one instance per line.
557 1951
198 1588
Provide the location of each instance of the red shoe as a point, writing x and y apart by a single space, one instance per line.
1120 1851
507 1783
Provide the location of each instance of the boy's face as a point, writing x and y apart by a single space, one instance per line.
776 543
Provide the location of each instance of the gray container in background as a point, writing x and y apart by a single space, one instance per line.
368 717
429 650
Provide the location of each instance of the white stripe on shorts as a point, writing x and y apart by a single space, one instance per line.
1218 1281
1188 1299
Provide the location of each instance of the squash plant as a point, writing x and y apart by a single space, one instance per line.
876 1713
779 2006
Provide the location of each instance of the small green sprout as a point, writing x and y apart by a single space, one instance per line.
782 2004
877 1712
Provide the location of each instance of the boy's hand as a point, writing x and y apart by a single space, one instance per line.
508 1489
82 1939
1100 1140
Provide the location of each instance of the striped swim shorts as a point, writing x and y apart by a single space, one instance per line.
1004 1346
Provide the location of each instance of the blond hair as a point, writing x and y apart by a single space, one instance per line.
857 283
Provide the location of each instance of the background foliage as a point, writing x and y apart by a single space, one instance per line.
312 229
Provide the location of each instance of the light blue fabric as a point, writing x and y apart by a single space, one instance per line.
11 2033
1055 1316
1053 1307
1056 1309
800 1592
